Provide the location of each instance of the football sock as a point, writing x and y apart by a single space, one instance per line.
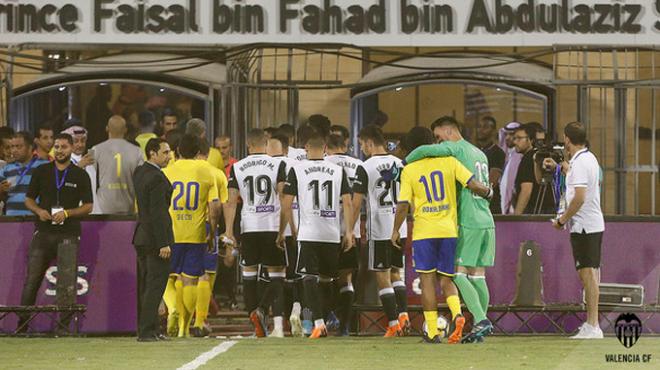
480 285
250 290
288 298
202 302
328 296
180 308
278 323
189 300
277 292
401 296
431 318
470 296
454 306
296 309
311 284
169 297
346 294
388 300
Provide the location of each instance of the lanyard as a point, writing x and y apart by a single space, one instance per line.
26 170
59 183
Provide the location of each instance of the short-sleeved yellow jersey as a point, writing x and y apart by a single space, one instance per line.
193 188
429 185
220 181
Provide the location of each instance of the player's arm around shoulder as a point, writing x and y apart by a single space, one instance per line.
444 149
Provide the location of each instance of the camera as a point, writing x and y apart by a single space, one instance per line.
542 150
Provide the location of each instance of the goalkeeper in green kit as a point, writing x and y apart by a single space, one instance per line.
476 237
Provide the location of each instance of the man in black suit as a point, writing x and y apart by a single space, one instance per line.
153 237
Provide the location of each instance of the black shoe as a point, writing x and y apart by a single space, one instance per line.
434 340
163 338
197 332
148 339
479 330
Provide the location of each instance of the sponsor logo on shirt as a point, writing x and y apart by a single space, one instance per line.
329 214
265 209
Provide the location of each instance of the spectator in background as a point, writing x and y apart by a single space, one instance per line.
511 164
486 130
6 134
115 162
197 127
380 119
320 123
15 177
224 145
79 156
169 121
147 125
530 197
270 131
98 113
44 143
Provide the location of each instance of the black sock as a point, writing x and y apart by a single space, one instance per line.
401 298
250 292
289 293
277 295
388 300
329 297
312 296
345 307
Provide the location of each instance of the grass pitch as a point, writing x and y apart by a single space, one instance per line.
329 353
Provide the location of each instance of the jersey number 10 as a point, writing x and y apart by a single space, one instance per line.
437 182
190 190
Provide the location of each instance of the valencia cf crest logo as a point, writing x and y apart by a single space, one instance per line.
628 329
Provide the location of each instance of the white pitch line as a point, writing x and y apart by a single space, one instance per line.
208 356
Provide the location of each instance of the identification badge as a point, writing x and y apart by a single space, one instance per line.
12 181
53 212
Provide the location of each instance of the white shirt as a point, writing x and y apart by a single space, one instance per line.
584 172
297 154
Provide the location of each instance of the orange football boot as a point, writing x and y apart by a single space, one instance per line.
319 332
393 331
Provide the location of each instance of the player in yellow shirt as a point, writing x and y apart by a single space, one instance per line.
194 192
430 185
207 281
197 127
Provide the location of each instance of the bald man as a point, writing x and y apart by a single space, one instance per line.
223 144
116 159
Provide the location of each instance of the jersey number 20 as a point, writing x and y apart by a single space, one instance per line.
190 190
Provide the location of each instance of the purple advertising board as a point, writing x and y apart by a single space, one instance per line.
106 275
107 267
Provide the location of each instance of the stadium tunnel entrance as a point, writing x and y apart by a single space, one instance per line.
90 90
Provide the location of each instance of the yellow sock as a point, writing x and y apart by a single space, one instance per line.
180 307
203 300
431 318
454 304
189 300
170 296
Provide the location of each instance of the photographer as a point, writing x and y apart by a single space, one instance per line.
584 218
532 196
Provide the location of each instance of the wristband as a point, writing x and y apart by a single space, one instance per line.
66 214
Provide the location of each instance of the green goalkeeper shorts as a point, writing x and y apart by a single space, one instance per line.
476 247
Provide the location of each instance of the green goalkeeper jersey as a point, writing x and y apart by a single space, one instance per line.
473 210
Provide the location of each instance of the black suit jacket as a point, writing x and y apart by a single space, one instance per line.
154 193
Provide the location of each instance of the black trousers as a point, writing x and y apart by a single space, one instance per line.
153 272
44 248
